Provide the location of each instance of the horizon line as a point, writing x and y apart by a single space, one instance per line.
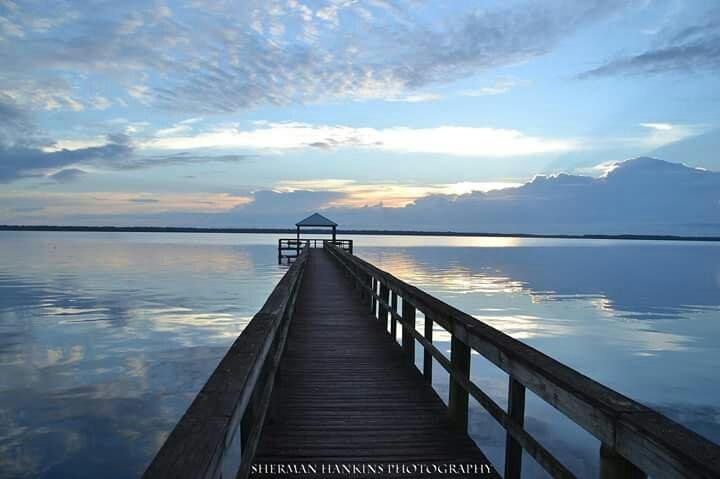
365 232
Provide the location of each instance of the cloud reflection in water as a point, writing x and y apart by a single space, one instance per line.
105 340
640 317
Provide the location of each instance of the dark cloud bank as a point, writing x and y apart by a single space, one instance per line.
640 196
644 196
23 152
689 48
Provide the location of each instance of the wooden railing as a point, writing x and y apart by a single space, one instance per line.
636 440
219 433
289 248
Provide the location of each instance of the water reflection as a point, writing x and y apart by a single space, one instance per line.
105 340
643 318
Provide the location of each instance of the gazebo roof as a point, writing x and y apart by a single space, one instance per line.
316 219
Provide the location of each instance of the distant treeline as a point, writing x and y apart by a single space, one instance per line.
171 229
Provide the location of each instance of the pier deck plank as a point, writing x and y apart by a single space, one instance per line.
346 394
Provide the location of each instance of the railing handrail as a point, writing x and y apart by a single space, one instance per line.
648 440
315 240
230 409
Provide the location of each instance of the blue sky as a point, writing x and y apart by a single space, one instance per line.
161 112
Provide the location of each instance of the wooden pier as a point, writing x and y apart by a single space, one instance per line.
316 383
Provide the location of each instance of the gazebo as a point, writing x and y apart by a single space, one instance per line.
286 246
316 220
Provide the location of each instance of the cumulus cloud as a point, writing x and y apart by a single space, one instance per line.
448 139
643 195
687 49
269 208
703 149
639 196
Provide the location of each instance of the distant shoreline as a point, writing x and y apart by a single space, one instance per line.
291 231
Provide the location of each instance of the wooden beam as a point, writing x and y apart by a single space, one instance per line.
408 343
614 466
427 355
458 402
393 321
385 297
516 412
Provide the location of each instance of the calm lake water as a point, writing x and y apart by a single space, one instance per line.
105 338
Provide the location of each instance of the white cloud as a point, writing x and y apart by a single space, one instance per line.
73 104
417 98
658 126
100 103
448 139
75 144
303 10
140 93
42 93
9 29
500 87
329 14
219 56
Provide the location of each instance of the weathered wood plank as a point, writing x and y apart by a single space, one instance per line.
427 354
408 342
348 392
458 400
650 441
516 413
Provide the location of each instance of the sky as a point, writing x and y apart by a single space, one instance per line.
407 114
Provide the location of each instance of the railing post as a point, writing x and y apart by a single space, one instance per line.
408 342
427 355
363 278
358 283
516 411
614 466
458 401
373 302
393 321
385 296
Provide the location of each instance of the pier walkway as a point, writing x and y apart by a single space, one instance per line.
347 394
317 383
